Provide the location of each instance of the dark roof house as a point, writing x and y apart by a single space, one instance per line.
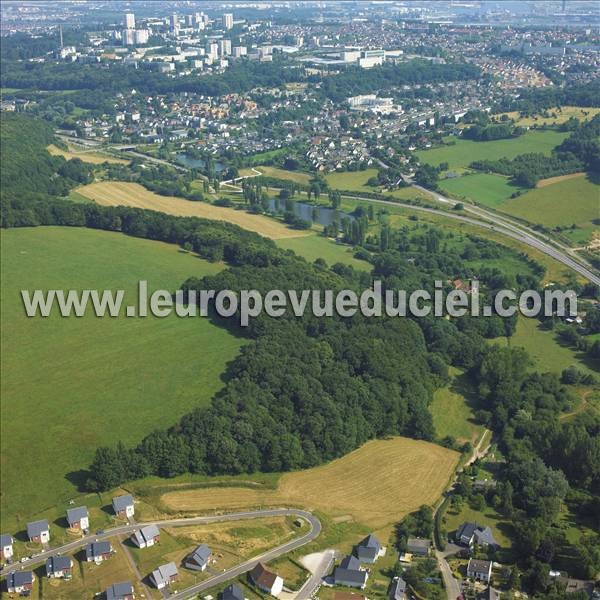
19 581
75 516
266 580
232 592
38 530
349 573
368 550
123 504
97 551
120 591
419 546
198 559
59 566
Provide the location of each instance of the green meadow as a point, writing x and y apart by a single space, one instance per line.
485 188
463 152
315 246
72 384
571 201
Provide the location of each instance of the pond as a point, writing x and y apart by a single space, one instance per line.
323 216
197 163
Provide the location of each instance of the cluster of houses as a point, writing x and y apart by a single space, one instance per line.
350 571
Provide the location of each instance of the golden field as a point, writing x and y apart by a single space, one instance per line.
116 193
376 485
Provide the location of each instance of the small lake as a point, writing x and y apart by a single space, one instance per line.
323 215
197 163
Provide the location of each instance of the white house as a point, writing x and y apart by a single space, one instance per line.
265 580
164 575
38 531
20 582
6 546
123 506
146 537
479 569
78 518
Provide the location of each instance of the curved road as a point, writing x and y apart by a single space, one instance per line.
499 226
315 530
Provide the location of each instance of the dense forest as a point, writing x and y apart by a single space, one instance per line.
306 390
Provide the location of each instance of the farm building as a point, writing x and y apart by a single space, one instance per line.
266 580
232 592
398 589
479 569
59 567
38 531
198 559
146 536
123 506
120 591
78 518
350 573
369 550
6 546
20 582
418 546
469 534
165 575
98 552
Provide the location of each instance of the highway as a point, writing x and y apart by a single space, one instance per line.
315 530
497 225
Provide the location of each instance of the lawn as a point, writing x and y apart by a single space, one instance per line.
316 246
71 385
575 200
541 345
464 152
296 176
453 411
115 193
487 189
353 181
95 158
402 475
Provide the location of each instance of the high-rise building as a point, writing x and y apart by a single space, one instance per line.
224 47
129 21
228 21
189 20
128 37
174 22
141 36
212 50
240 51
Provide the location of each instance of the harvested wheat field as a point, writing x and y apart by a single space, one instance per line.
551 180
377 484
88 156
116 193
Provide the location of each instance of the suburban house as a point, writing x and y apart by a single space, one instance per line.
98 552
369 550
349 573
59 567
20 582
78 518
198 559
479 569
120 591
398 589
38 531
265 580
165 575
6 546
418 546
123 506
469 534
146 536
232 592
